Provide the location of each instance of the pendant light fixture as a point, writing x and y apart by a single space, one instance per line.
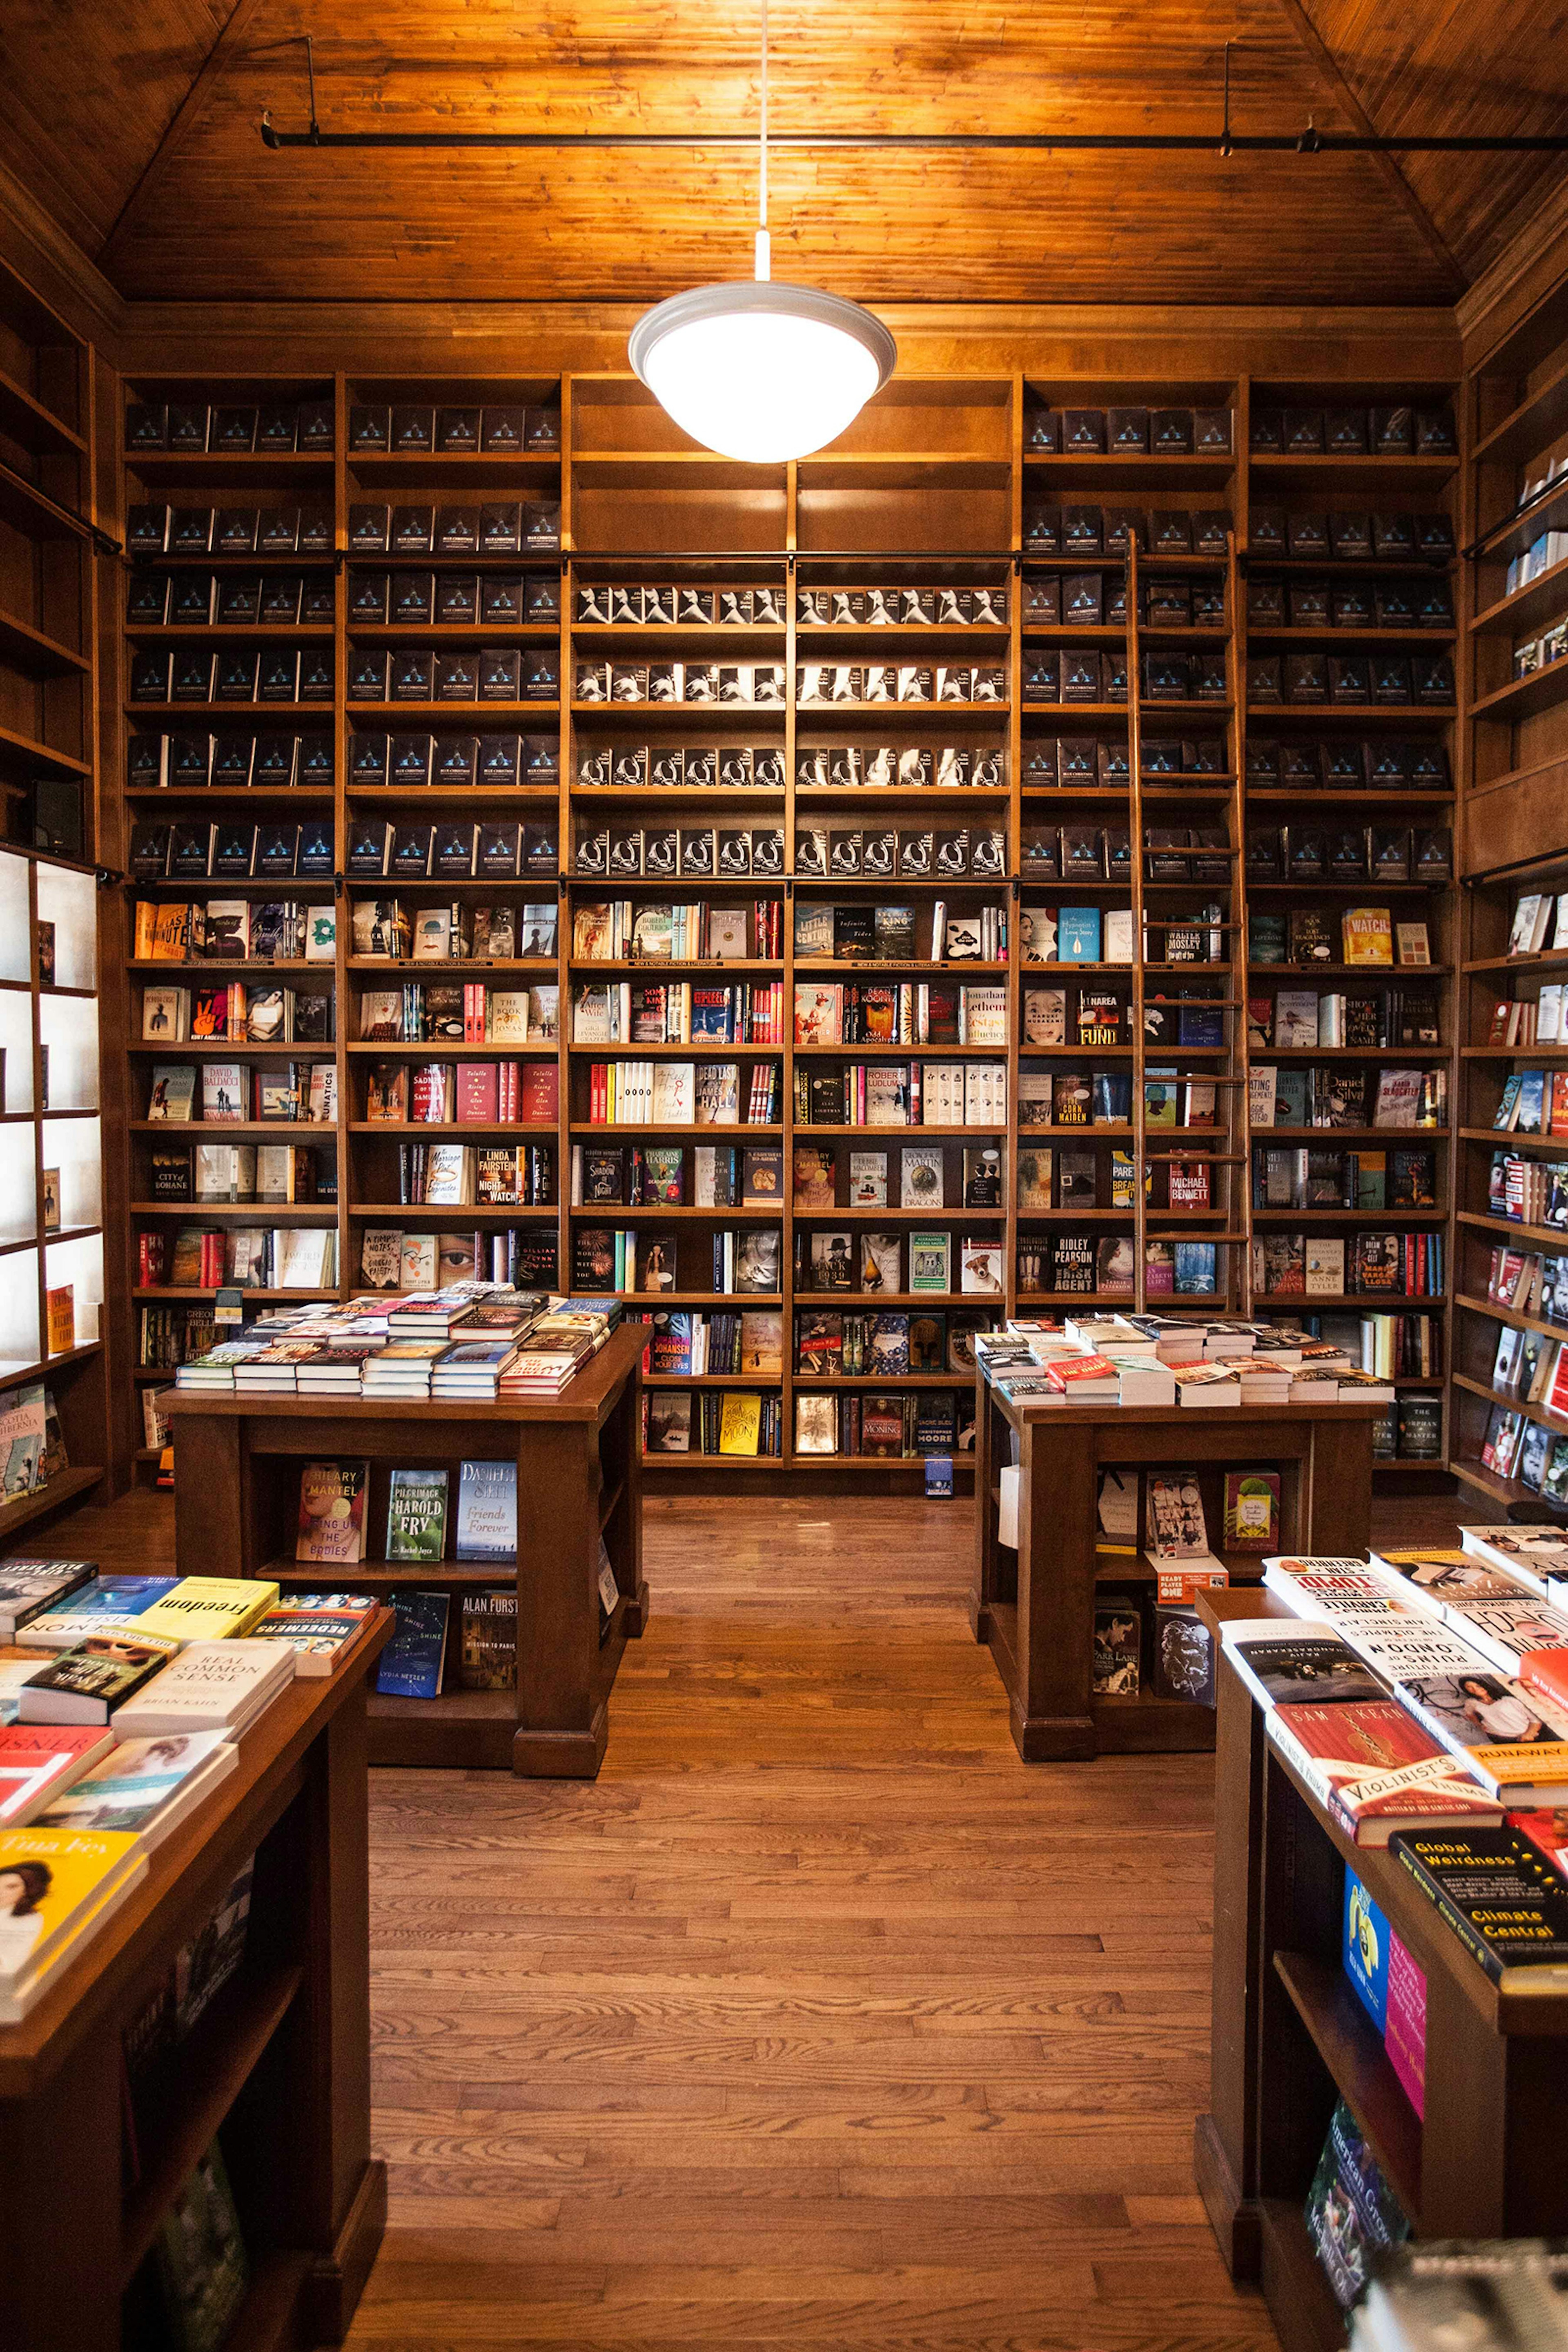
758 371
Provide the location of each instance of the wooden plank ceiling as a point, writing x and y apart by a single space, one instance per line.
139 128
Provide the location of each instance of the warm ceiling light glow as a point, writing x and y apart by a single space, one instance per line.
761 372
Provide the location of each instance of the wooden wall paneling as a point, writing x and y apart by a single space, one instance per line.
344 1025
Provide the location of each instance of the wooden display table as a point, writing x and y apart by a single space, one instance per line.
279 2063
1034 1608
579 1476
1290 2036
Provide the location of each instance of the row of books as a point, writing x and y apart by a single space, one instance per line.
857 931
919 1013
238 1257
683 1094
418 428
165 1335
651 1175
238 1011
416 674
821 853
1525 1021
875 607
230 428
464 600
875 1264
492 849
466 1094
1380 678
1528 1192
1351 535
1295 1177
1296 1020
693 852
408 759
153 527
234 849
1058 1178
1530 1281
1345 1097
677 767
495 1175
829 1341
515 1257
1515 1446
1081 1265
1355 935
902 1094
684 1345
279 1174
924 1423
1127 432
32 1443
620 1260
858 683
1091 853
1050 675
1102 760
238 1091
677 1012
1545 550
469 1339
489 527
1350 853
1122 1359
683 682
452 931
1341 604
230 600
188 759
233 931
237 674
1538 921
1083 529
687 931
460 1012
1376 763
1396 431
1363 1264
604 604
1533 1102
1172 599
741 1421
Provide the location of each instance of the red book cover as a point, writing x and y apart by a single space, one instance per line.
541 1092
478 1094
1376 1770
38 1759
1072 1372
1546 1670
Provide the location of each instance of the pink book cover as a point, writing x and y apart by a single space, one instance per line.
1404 2034
477 1092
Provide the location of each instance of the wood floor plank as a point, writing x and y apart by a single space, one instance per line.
818 2020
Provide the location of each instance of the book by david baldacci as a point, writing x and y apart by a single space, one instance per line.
331 1512
417 1514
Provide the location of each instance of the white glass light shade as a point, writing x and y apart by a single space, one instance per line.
759 371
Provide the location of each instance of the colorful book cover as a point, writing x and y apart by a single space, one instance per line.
487 1511
331 1512
417 1514
1405 2028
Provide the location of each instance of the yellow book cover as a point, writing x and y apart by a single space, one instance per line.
50 1880
741 1423
146 921
1367 935
171 934
60 1307
210 1608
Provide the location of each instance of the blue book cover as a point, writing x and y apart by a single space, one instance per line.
939 1474
1531 1100
1078 935
487 1511
1195 1267
1366 1950
106 1596
1511 1085
1198 1024
411 1661
1112 1098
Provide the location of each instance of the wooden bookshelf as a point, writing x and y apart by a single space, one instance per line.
278 2063
1291 2036
1513 839
941 488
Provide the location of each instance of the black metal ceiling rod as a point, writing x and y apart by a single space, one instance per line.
1310 142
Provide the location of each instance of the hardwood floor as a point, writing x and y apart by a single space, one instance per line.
818 2020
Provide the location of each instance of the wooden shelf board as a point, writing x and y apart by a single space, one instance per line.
1522 696
1352 2048
30 650
27 747
21 1509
